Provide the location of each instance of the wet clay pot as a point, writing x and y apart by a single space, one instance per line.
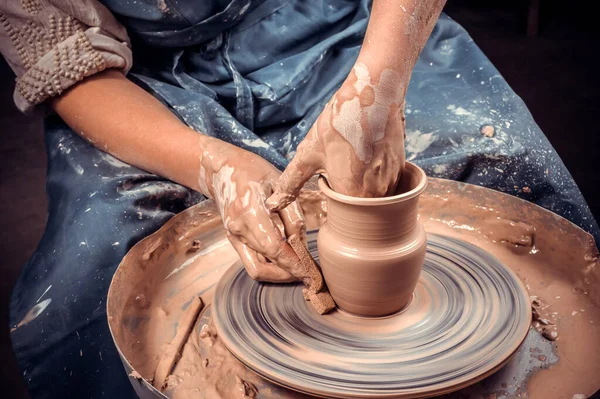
372 249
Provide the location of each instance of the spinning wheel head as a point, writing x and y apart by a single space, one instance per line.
468 315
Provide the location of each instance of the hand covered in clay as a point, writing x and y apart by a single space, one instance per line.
357 142
240 182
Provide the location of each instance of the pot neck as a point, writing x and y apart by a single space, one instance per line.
375 226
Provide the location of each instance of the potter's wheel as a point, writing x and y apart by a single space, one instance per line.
468 316
557 262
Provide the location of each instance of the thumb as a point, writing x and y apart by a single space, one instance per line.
302 167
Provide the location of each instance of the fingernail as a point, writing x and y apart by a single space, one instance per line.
271 204
274 201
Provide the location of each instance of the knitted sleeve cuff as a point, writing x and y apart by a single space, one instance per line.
50 51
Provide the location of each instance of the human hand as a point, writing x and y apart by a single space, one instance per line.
239 182
357 142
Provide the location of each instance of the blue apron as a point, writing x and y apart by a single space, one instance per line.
244 70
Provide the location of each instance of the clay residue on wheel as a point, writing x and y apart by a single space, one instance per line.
159 278
557 262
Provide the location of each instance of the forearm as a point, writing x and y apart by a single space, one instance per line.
396 34
122 119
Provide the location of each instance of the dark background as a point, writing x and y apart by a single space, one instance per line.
553 68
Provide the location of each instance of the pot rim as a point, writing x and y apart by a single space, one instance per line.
347 199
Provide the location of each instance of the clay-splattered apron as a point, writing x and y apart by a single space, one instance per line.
256 74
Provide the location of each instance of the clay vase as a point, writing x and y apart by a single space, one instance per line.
372 249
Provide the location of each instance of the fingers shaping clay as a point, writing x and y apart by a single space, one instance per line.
316 292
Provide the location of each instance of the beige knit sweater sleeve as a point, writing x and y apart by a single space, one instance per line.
53 44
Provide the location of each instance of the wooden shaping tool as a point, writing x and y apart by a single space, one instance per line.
316 292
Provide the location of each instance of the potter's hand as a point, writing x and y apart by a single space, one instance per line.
357 142
239 182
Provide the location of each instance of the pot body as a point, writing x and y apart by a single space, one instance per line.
372 249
